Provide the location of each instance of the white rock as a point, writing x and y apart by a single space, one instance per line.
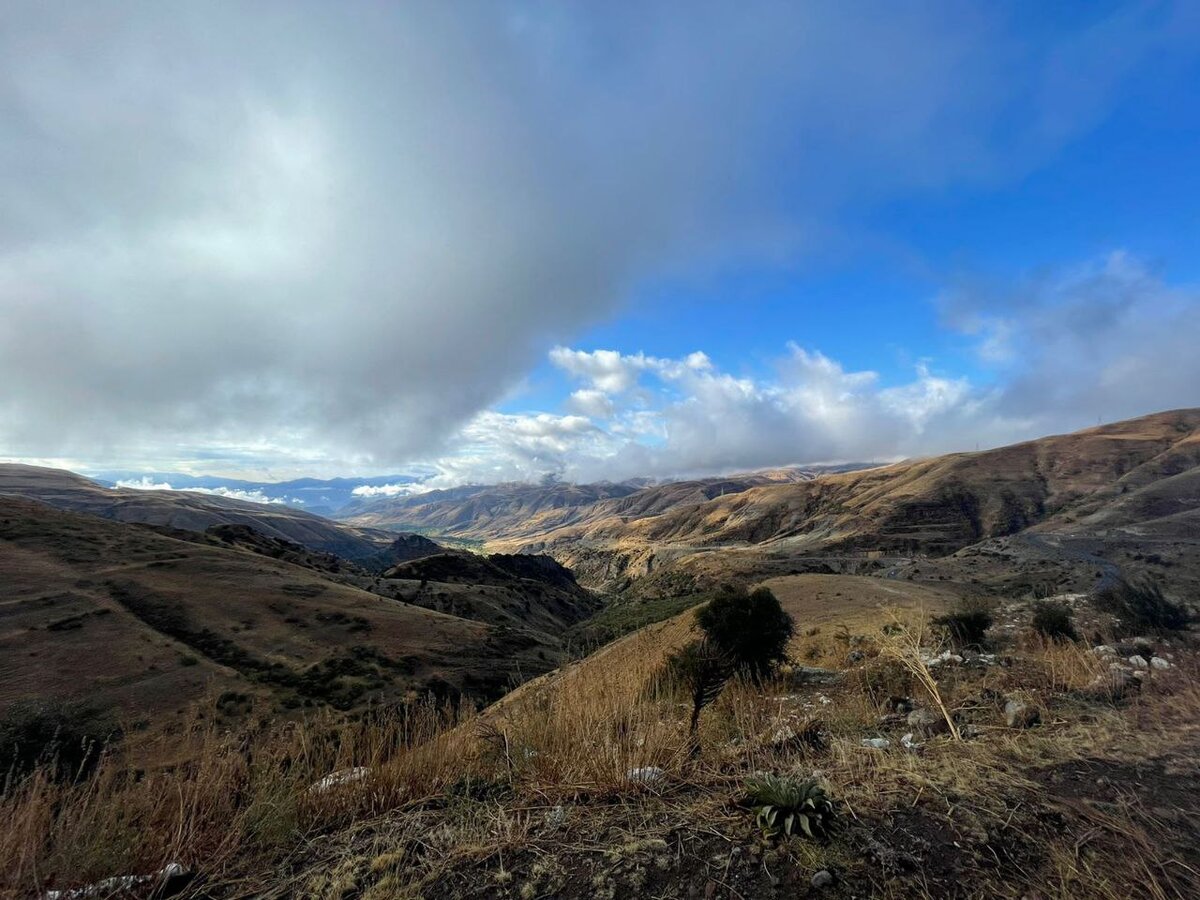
876 743
1139 662
1104 650
908 743
1159 663
645 775
118 883
339 779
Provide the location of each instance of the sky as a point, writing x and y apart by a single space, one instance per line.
498 241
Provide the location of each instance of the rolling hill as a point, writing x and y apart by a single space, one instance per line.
128 616
192 511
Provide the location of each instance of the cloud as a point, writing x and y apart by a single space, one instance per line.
288 232
145 483
390 490
1107 339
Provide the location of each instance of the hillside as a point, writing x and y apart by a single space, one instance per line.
515 511
1131 482
183 620
1056 770
191 511
525 592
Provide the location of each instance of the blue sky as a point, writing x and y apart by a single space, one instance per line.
495 241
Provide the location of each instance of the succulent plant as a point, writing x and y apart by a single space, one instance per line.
790 806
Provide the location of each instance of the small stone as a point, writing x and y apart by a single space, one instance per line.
855 656
1104 650
876 743
1139 662
1158 662
1021 715
908 743
822 879
645 775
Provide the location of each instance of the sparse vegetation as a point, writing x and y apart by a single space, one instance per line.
1140 606
64 739
967 624
1054 620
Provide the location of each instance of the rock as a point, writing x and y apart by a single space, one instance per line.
806 675
855 656
1104 650
645 775
876 743
1157 662
900 705
341 778
908 743
890 720
166 882
1139 662
927 722
1019 714
822 879
1112 685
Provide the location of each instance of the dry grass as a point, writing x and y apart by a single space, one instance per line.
524 798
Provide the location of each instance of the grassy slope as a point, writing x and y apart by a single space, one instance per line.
119 614
532 799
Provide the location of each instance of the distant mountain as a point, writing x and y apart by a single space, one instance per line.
478 511
187 510
512 511
1071 506
316 495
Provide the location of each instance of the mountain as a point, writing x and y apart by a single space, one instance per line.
187 510
478 511
121 615
1132 484
510 511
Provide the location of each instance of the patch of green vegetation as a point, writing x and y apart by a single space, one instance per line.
625 617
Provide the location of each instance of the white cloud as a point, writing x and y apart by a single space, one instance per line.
406 489
145 483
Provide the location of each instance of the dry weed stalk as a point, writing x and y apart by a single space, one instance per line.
904 642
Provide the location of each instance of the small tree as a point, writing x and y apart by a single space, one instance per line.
750 628
701 670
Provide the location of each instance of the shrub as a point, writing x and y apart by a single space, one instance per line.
66 738
1140 606
1053 619
968 624
700 670
751 629
789 806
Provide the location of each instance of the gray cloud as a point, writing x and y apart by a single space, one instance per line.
337 233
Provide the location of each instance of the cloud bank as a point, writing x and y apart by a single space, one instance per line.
335 237
1099 342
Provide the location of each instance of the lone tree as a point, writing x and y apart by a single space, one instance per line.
750 628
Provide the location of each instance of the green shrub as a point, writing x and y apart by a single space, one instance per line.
967 625
1140 606
790 806
751 629
1053 619
66 738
